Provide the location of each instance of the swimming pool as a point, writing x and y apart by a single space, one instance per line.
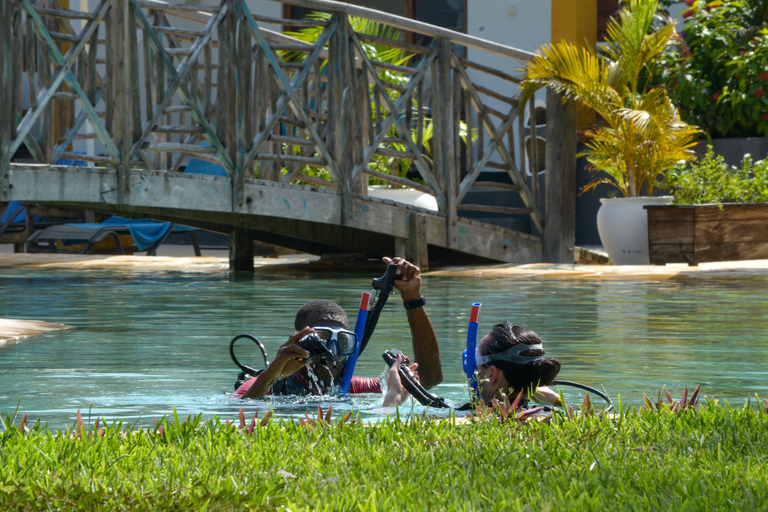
144 342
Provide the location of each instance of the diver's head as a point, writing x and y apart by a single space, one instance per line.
324 313
506 365
321 312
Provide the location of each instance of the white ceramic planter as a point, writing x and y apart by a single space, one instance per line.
623 226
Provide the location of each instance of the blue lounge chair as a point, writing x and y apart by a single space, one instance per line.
148 235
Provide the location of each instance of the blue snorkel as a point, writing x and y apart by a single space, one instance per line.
469 357
362 317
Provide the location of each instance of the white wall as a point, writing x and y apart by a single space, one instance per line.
523 24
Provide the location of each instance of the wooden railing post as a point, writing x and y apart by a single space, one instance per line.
341 95
233 49
560 180
121 90
7 109
444 130
416 250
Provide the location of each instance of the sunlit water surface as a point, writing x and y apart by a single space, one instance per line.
143 343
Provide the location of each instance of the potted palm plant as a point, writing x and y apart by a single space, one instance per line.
638 135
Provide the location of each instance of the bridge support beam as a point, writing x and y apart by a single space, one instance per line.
7 109
560 220
416 250
241 250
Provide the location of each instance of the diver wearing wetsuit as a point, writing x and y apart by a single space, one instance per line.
290 373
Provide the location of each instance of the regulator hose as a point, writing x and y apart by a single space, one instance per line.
589 389
247 369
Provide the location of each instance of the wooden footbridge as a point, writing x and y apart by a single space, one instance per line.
301 127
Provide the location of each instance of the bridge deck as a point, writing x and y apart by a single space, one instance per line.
306 213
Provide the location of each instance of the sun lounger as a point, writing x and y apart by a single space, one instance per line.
148 235
18 220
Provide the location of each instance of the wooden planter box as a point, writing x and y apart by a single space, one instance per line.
699 233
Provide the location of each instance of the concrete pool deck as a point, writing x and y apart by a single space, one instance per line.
752 269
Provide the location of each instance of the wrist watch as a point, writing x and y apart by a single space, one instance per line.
415 303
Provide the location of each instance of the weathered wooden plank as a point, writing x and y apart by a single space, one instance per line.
415 26
65 14
491 71
7 108
59 36
207 197
178 9
164 29
731 231
496 95
96 159
304 160
494 209
666 228
534 151
731 212
402 45
312 180
292 47
393 67
560 182
417 250
17 56
492 185
176 146
659 254
44 75
290 22
393 153
730 251
134 71
179 52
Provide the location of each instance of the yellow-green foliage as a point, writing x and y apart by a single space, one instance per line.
640 134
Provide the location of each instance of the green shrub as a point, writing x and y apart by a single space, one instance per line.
711 180
717 75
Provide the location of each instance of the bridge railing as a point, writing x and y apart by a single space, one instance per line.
144 84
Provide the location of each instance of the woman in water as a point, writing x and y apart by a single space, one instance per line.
510 359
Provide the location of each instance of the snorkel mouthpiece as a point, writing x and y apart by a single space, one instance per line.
469 358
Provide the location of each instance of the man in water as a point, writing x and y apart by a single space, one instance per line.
291 373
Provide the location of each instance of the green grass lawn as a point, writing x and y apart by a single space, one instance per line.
713 457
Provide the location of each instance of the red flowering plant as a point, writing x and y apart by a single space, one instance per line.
717 71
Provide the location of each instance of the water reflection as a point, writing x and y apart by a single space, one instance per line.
144 343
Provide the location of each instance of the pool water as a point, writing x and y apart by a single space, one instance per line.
143 343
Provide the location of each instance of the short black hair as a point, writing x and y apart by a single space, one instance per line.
325 309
